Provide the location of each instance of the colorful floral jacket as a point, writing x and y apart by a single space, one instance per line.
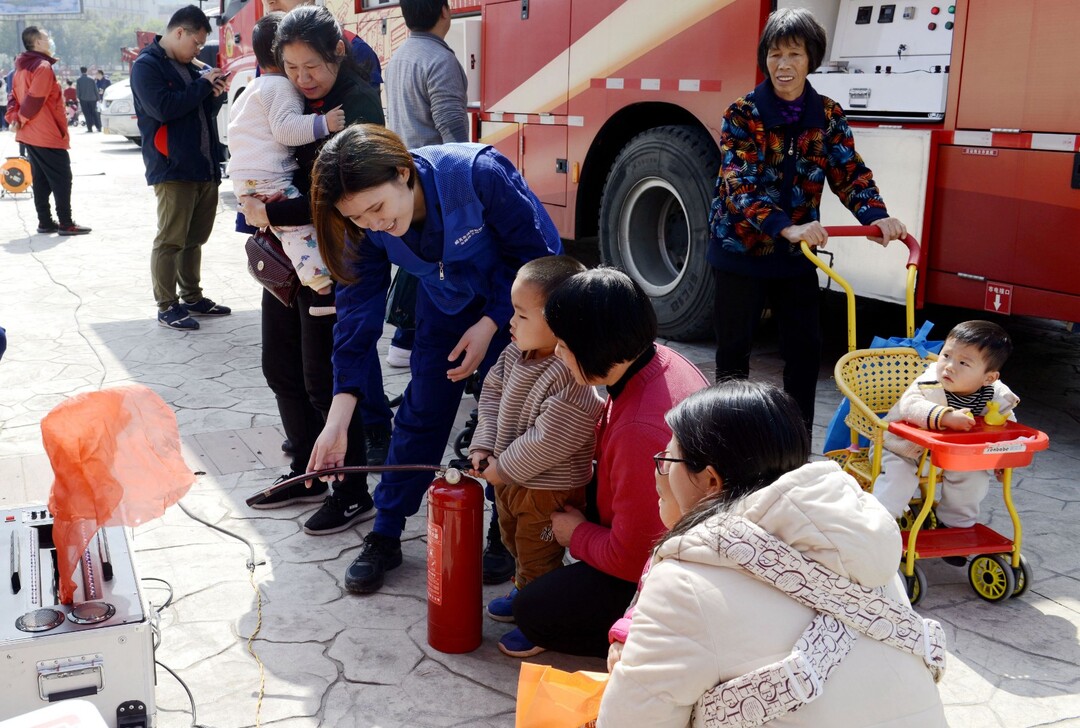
772 174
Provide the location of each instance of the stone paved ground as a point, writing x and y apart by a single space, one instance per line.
79 315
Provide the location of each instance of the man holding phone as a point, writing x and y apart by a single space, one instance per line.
177 107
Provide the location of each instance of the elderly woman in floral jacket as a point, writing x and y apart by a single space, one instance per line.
779 145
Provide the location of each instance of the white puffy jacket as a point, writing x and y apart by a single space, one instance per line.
701 620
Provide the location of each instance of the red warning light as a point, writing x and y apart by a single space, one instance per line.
932 26
935 10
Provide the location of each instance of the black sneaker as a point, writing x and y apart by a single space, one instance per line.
337 514
206 307
498 563
293 494
48 227
176 317
73 229
376 444
379 555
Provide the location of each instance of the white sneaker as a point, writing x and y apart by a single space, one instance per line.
398 357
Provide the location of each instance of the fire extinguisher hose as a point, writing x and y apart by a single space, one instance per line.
455 467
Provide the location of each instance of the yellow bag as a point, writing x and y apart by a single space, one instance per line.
552 698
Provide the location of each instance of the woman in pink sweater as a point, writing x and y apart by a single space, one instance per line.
605 326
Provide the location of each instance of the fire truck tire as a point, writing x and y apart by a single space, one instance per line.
654 224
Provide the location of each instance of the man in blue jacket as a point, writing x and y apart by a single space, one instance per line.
177 109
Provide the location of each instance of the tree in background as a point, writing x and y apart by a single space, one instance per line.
85 40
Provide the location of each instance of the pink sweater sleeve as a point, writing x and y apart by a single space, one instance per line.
621 629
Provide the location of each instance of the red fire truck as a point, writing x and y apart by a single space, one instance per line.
612 110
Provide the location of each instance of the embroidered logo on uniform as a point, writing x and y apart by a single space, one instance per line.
469 236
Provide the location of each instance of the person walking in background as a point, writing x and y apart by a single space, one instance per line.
87 92
177 111
71 102
36 113
426 98
102 83
779 144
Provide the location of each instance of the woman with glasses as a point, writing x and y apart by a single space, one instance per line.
757 533
605 327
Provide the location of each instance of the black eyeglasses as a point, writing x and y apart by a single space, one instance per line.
663 462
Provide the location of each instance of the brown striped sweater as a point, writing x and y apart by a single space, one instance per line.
539 422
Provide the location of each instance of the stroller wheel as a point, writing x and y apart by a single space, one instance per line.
1022 576
991 576
915 585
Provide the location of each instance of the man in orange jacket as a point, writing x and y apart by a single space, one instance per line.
36 113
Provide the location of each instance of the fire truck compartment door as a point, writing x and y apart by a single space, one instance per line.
1012 72
464 39
527 68
1006 215
900 161
544 162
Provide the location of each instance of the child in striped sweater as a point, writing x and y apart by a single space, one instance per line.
536 430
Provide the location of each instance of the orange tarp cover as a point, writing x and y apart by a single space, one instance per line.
116 459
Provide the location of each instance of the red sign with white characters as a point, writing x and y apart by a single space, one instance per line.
998 297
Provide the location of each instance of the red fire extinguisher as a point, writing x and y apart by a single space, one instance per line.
454 548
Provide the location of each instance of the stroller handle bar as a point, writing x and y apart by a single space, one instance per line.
851 231
912 273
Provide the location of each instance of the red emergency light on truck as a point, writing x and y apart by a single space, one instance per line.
612 110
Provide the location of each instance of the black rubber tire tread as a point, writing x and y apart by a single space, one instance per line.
1022 577
687 158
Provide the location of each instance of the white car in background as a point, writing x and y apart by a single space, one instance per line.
118 112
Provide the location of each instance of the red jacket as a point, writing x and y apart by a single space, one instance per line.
37 103
631 431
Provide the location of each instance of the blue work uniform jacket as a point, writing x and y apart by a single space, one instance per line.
482 224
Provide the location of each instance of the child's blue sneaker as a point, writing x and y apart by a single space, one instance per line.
515 644
501 609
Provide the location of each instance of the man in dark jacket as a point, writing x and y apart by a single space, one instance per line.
86 90
177 109
102 83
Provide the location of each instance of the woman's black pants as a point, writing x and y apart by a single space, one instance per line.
795 304
571 609
296 351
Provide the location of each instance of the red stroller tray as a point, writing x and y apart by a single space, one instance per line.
983 447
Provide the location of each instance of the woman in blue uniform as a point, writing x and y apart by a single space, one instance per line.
462 220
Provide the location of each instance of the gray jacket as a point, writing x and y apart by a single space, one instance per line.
425 93
86 89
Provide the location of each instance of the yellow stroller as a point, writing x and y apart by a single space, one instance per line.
873 380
